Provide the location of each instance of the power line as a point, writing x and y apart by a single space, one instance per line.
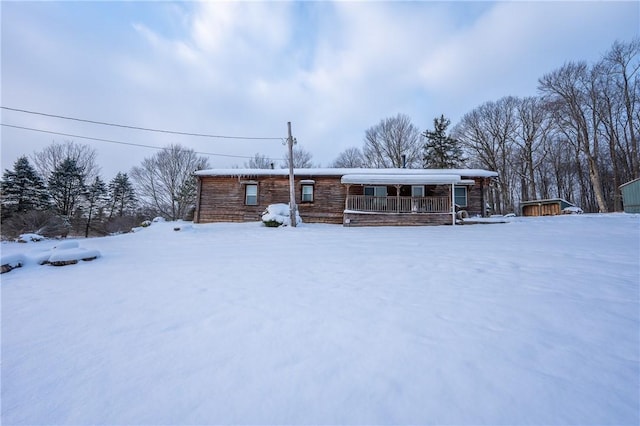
121 143
146 129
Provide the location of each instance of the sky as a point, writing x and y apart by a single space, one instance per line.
245 69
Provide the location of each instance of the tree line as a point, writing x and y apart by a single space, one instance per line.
60 191
577 140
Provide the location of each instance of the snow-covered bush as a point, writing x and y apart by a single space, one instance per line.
278 214
30 238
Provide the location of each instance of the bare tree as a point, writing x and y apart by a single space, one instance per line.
488 134
166 182
349 158
530 138
392 140
259 161
623 62
619 87
572 91
563 166
47 160
578 140
301 159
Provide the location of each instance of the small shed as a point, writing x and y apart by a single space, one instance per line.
549 207
631 196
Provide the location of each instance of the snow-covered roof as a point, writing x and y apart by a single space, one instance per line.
405 179
353 171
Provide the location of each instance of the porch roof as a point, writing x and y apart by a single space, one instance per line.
402 179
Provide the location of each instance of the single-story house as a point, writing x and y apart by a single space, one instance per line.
631 196
547 207
352 197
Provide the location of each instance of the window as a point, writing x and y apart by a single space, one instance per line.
375 191
251 194
417 191
460 196
307 193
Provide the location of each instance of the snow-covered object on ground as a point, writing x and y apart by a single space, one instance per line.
73 255
322 324
280 213
158 219
11 261
65 252
572 210
30 238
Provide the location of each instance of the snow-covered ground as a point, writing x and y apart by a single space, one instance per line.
535 321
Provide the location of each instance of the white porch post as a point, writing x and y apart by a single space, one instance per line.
346 199
453 205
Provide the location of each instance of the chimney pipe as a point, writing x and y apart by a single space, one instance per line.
404 161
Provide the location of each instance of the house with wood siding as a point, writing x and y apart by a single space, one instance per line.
352 197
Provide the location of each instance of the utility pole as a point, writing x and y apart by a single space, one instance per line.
292 185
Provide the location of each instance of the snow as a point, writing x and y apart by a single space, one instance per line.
330 171
535 321
14 260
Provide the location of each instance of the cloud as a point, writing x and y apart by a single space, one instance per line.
506 49
246 68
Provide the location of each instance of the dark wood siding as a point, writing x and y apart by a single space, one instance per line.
221 198
475 198
328 199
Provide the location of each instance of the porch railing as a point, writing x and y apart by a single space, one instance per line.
368 203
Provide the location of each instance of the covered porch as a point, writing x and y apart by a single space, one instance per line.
377 199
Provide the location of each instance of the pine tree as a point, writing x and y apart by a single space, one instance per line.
441 151
96 196
121 195
22 189
66 186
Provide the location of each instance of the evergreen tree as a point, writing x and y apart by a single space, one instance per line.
441 151
66 186
22 189
96 196
121 195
